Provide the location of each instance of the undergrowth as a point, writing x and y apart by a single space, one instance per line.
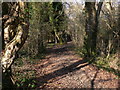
110 64
24 74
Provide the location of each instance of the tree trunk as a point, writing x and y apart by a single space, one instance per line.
13 46
15 28
91 28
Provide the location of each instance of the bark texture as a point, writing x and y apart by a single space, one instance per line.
92 16
14 33
15 29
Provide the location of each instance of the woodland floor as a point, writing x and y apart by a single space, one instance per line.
63 68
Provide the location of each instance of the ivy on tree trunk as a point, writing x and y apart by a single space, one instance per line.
15 30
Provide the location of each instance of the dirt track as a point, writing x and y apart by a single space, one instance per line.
62 68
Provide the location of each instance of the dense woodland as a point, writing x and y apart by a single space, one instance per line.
31 31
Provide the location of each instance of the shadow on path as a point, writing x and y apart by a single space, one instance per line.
73 67
92 81
60 48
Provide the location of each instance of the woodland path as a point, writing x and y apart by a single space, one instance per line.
62 68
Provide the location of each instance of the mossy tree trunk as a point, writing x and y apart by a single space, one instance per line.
15 28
